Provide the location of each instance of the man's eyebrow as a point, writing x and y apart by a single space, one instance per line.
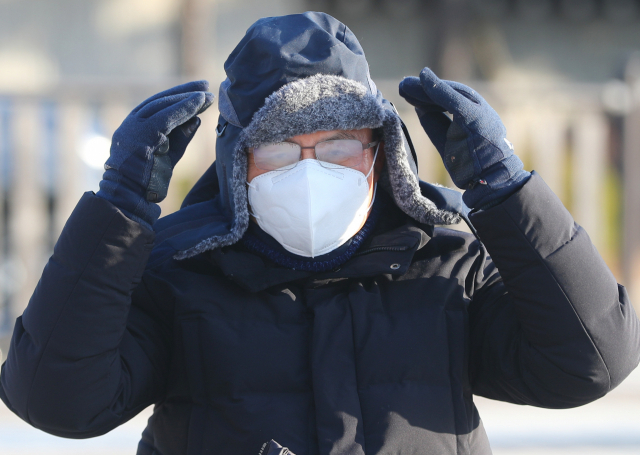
342 135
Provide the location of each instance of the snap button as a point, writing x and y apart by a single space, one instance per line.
394 266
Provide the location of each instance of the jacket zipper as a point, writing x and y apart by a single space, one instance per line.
381 248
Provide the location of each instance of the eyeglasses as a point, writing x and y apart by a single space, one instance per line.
339 152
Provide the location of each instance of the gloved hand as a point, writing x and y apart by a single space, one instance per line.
473 146
147 146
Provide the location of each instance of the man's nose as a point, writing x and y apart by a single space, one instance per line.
308 153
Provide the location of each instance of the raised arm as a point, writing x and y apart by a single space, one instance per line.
82 359
549 326
92 348
556 330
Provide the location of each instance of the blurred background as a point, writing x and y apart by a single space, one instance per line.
563 74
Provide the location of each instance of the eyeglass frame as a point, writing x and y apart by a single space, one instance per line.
292 165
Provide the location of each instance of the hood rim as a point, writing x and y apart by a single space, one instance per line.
324 103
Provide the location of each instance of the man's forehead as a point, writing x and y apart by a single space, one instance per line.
363 135
343 134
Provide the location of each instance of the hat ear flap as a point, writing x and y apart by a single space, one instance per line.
408 145
406 138
400 178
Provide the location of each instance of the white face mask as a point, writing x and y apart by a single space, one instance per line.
309 209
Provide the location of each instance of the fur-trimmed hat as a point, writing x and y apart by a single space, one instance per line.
295 75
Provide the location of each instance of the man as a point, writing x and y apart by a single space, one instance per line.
302 294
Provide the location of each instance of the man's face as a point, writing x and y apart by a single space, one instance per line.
365 136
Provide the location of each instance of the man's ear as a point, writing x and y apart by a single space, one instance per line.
379 164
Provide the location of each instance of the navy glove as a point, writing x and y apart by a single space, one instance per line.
473 146
147 146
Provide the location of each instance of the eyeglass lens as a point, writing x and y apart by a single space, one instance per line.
342 152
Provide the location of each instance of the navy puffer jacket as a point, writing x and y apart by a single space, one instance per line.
379 356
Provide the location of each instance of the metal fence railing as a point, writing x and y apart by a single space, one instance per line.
52 149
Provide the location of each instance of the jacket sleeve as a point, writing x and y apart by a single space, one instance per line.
552 328
82 358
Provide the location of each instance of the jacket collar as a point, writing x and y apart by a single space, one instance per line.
203 219
389 252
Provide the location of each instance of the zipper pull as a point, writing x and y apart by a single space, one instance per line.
273 448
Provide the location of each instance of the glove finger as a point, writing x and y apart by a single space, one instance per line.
180 138
411 90
177 114
208 101
436 125
466 91
443 94
195 86
162 103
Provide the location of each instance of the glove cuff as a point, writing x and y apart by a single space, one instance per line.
488 194
122 193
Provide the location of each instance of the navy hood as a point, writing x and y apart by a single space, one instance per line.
278 50
292 75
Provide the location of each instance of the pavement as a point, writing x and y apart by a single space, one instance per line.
609 426
19 438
